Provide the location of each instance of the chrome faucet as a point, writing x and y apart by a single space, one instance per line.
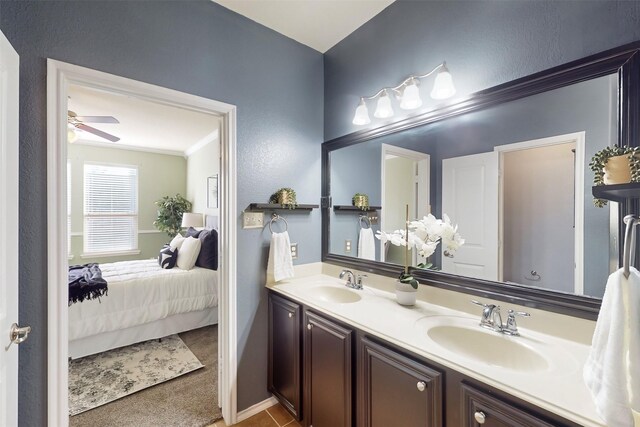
491 319
353 282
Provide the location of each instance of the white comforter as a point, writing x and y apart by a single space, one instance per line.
141 292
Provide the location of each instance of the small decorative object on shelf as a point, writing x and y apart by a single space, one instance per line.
361 201
615 165
424 235
285 197
170 210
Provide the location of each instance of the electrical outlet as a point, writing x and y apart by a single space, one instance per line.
294 251
347 246
252 220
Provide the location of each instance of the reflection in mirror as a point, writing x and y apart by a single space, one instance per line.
515 179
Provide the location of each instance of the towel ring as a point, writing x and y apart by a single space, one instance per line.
275 217
367 221
629 242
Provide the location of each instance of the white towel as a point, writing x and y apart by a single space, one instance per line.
366 244
280 264
612 370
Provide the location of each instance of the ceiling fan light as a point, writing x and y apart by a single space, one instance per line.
384 110
72 135
362 114
443 87
411 96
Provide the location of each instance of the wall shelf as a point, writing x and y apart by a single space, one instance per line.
355 208
617 192
274 206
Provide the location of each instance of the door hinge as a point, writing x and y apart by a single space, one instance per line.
325 202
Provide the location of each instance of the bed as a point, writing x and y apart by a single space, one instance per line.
144 302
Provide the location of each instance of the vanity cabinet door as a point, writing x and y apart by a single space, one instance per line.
397 391
483 410
284 353
327 355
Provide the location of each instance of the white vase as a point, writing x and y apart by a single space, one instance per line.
405 294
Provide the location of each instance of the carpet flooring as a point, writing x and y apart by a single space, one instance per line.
190 400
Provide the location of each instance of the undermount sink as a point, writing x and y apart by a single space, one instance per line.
334 294
488 347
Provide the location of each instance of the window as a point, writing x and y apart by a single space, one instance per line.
110 208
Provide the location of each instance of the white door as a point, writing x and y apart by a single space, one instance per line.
9 77
470 198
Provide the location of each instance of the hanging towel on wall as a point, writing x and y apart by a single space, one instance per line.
280 264
366 244
612 370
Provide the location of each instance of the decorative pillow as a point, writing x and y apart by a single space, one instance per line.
192 232
208 257
177 241
188 253
168 257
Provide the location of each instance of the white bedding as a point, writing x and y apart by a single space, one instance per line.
141 292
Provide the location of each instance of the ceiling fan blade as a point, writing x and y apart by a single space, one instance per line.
97 119
97 132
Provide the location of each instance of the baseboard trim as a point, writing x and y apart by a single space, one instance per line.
257 408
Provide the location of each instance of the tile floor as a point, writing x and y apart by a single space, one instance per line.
276 416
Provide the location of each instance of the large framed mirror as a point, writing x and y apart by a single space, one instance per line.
509 166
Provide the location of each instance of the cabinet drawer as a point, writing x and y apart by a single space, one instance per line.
484 410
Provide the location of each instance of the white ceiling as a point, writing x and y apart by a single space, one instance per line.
144 125
319 24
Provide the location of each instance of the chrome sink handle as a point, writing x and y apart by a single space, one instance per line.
491 318
511 327
360 281
350 277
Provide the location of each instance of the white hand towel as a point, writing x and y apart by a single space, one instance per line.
366 244
280 264
612 370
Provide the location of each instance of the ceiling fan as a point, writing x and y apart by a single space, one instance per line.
78 122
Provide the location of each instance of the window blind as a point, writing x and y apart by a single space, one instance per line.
110 208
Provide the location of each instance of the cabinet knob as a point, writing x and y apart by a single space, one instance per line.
480 417
421 385
309 326
290 315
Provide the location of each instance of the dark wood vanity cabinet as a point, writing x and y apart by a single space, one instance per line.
328 376
396 390
284 372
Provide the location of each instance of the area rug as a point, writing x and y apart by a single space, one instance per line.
102 378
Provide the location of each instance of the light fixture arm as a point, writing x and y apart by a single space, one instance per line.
396 89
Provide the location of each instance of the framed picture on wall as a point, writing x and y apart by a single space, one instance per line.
212 192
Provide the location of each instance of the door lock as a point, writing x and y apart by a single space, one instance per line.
18 334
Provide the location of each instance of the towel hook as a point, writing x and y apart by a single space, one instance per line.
629 242
275 217
367 221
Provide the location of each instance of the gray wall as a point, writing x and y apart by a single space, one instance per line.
195 47
485 43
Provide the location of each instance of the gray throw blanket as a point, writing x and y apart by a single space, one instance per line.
86 282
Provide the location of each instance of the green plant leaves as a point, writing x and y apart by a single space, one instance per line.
170 210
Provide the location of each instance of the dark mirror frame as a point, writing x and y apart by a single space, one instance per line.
624 60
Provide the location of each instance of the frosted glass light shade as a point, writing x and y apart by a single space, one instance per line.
443 87
72 136
384 109
411 97
190 219
362 114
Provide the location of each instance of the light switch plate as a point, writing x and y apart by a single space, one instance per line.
252 220
347 246
294 251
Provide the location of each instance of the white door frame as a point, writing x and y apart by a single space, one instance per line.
424 175
59 76
579 139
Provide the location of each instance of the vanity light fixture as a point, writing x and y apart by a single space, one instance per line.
408 93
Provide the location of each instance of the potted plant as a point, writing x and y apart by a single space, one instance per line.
285 197
360 200
425 235
615 165
170 210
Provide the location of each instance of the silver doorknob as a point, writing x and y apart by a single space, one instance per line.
421 385
480 417
309 326
18 334
290 315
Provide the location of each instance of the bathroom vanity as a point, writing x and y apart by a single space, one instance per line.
343 357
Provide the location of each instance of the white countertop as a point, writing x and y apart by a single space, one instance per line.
557 388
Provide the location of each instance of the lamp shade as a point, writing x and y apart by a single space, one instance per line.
190 219
362 114
411 96
384 109
443 87
72 136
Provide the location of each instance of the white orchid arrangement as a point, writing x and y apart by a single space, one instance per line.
424 235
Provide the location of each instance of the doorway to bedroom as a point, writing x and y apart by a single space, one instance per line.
146 177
